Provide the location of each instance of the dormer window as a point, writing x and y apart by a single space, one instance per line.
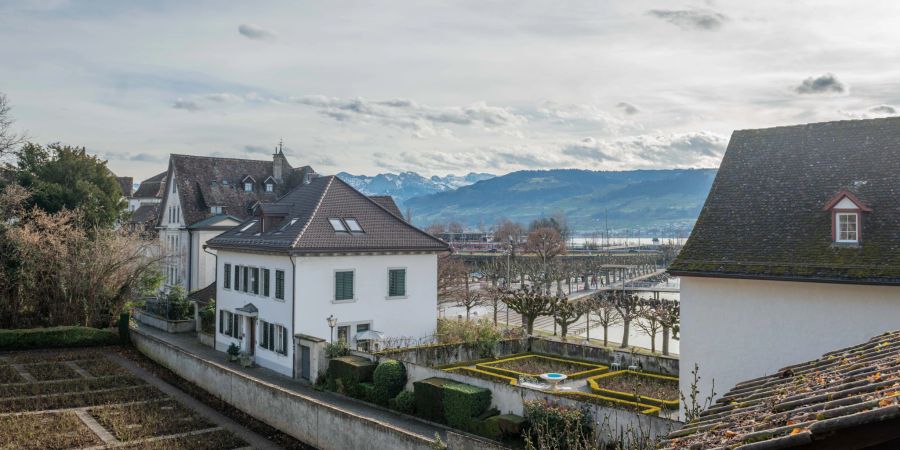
248 186
270 187
846 217
217 209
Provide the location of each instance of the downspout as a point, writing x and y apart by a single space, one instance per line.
215 280
190 263
294 315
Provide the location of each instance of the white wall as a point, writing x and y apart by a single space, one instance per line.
203 264
270 309
742 329
412 316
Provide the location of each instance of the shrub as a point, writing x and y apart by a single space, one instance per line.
366 391
489 428
555 426
336 349
57 337
463 403
124 328
429 395
404 402
510 424
389 378
348 372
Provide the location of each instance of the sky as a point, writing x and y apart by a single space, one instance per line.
439 87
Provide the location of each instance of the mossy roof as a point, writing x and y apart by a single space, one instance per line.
764 215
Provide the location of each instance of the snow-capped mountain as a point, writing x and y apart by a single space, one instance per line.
405 185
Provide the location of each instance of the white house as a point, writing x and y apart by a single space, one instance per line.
796 251
204 196
322 251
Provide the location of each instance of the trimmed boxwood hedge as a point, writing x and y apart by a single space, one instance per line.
56 337
404 402
389 378
596 387
347 372
463 403
430 398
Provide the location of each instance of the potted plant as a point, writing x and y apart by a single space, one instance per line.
246 360
233 352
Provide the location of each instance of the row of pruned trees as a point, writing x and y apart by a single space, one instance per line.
606 309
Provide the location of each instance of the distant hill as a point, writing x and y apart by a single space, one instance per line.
406 185
658 200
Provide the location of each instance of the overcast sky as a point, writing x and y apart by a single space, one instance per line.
439 87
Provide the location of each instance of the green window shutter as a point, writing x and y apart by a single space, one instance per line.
227 276
246 278
265 275
271 337
279 284
254 272
237 278
222 322
397 282
343 285
284 341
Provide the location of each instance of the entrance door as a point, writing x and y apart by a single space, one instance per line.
252 348
304 362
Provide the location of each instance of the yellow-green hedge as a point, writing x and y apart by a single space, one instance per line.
475 372
643 408
594 384
590 368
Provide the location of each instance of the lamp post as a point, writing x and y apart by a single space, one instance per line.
332 321
508 281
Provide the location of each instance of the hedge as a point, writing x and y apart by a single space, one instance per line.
347 372
430 398
404 402
56 337
463 403
594 384
389 378
602 400
590 369
366 391
484 375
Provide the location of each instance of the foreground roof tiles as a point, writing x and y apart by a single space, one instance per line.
302 224
845 399
764 215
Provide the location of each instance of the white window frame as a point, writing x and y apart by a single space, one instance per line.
335 222
248 186
838 231
270 187
405 284
334 287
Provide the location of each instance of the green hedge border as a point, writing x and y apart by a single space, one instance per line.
56 337
592 369
594 384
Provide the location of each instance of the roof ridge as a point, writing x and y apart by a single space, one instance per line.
803 125
221 158
314 212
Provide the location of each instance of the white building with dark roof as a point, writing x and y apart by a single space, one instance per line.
322 250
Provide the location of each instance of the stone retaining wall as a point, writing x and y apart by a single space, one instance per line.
667 365
169 326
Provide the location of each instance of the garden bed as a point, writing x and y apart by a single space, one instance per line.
101 367
51 372
212 440
128 423
67 386
45 431
9 375
659 390
534 365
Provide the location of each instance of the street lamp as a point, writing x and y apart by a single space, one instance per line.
332 322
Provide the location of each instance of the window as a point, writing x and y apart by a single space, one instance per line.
281 344
216 209
254 280
265 277
270 187
248 187
343 333
237 278
246 281
362 327
337 224
353 225
343 285
396 282
273 337
279 284
229 324
847 227
227 276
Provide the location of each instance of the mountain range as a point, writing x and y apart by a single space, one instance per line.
660 201
406 185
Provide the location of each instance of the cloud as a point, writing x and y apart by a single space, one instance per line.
883 109
223 97
187 105
691 19
824 84
255 32
259 149
628 108
589 149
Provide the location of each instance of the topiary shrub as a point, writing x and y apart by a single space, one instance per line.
404 402
347 372
429 395
365 391
463 403
389 378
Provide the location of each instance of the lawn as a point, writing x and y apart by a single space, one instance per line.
45 403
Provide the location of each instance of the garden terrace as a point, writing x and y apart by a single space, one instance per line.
534 365
79 398
658 390
845 399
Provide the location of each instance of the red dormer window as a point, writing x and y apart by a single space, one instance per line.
846 217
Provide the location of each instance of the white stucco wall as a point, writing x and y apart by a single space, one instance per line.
270 309
742 329
414 315
203 263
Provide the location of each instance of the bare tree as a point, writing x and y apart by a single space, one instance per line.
493 270
530 303
566 313
648 322
436 228
546 243
468 296
8 139
604 306
508 234
449 269
455 227
669 316
629 307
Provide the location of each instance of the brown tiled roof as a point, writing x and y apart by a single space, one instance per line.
387 202
152 187
127 185
764 215
306 229
203 182
204 295
845 399
145 214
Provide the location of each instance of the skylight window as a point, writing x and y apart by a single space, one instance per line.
337 224
247 227
353 225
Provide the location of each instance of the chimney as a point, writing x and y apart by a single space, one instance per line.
280 164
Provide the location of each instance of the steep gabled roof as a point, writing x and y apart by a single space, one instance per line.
387 202
764 215
845 399
204 181
127 185
306 229
152 187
